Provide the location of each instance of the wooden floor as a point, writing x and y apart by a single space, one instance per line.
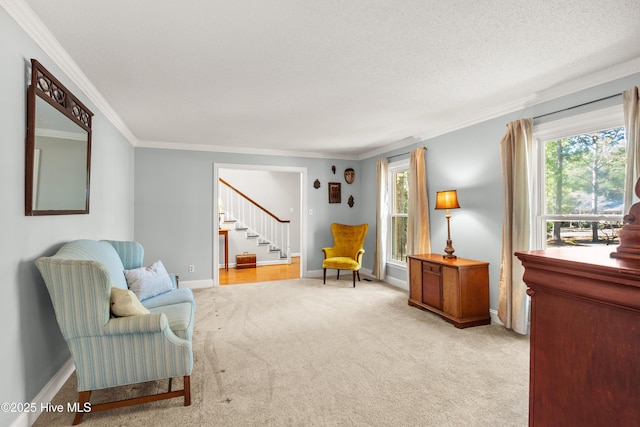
263 273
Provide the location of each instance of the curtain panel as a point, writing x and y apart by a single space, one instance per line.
418 233
632 135
382 213
516 155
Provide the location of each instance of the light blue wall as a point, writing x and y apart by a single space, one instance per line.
174 205
33 350
468 160
174 199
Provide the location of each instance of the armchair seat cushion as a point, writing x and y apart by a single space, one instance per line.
180 318
341 263
176 296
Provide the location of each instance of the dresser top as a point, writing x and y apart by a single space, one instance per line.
589 273
586 258
439 259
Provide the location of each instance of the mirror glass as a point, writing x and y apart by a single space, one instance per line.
58 154
60 168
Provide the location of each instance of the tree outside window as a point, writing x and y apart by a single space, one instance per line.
584 184
399 206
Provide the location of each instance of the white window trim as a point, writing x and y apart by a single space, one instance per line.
604 118
393 167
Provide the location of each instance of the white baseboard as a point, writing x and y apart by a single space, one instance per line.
46 395
196 284
494 317
398 283
313 273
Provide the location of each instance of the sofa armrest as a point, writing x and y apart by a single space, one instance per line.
144 323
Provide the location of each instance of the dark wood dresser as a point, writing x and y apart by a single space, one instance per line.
456 289
585 337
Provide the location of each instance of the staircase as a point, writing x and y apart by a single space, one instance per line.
242 214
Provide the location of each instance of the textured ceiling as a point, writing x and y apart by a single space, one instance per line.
332 76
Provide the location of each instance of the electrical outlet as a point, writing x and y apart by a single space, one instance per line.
192 268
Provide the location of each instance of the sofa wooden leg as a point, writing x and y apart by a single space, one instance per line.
358 271
83 398
354 278
338 275
324 276
187 390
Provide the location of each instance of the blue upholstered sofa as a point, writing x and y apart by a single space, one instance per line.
113 351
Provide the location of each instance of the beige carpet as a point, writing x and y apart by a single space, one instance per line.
297 353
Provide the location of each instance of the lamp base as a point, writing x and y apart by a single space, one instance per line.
449 251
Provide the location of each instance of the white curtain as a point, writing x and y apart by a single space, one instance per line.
632 135
418 234
382 212
516 155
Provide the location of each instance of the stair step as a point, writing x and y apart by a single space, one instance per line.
241 228
252 236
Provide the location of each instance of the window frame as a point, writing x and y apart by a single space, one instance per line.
393 168
604 118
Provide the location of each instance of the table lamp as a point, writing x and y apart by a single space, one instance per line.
448 200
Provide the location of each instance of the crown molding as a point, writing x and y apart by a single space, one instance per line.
592 80
404 142
242 150
25 17
586 82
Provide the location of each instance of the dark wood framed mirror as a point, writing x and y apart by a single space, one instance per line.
58 148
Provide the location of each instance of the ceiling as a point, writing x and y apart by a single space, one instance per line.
333 77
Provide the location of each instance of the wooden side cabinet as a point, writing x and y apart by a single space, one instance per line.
457 289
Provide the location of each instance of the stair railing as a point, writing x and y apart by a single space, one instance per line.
261 224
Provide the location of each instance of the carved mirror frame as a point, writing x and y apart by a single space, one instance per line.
44 91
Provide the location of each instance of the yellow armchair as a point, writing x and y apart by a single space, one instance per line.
347 250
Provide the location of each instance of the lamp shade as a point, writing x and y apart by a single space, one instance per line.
447 199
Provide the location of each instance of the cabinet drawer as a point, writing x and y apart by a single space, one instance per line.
431 268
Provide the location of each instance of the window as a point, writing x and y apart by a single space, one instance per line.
399 210
581 180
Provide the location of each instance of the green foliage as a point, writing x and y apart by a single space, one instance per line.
585 173
401 202
399 223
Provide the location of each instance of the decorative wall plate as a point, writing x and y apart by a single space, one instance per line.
316 184
351 202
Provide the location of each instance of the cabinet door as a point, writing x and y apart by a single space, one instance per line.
431 285
451 291
415 279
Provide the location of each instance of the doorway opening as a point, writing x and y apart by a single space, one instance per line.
279 188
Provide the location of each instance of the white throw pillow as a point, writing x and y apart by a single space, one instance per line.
147 282
125 303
